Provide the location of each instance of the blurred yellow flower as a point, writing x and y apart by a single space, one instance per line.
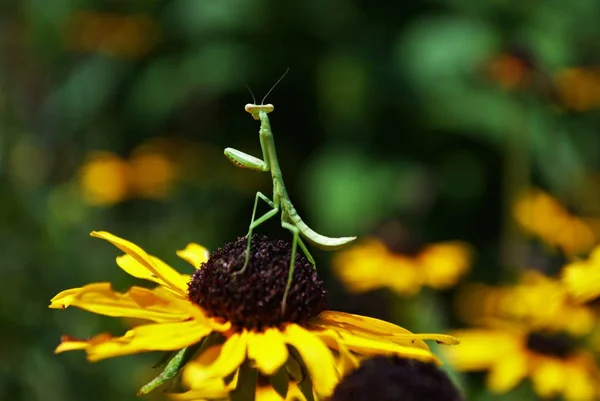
543 216
579 88
106 178
112 34
536 300
371 264
237 321
582 278
551 360
151 173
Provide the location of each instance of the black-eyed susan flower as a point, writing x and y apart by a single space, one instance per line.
150 173
551 360
582 278
371 264
104 179
111 34
390 378
579 88
245 344
542 216
536 300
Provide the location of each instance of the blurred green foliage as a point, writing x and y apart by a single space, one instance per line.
389 112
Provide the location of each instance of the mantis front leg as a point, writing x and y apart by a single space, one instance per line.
250 162
244 160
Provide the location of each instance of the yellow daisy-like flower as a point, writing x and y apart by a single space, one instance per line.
234 324
150 173
579 88
582 277
543 216
114 35
104 179
371 265
536 300
550 360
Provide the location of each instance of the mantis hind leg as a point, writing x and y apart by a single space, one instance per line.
305 250
296 238
256 223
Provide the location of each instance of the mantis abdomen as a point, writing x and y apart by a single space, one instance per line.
310 235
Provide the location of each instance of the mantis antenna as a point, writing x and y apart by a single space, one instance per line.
250 90
273 87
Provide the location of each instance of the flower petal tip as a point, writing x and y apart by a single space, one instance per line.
194 254
447 340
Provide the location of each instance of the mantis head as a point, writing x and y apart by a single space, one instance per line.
255 109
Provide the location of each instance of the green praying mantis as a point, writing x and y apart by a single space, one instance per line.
290 219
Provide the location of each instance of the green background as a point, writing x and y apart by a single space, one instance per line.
387 113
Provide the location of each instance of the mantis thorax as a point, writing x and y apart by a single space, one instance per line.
255 109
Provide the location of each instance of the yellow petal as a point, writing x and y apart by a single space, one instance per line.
480 349
549 377
151 337
268 350
162 271
193 373
360 266
63 298
184 305
316 356
194 254
231 355
68 343
369 346
507 372
582 280
267 393
209 390
136 269
346 362
367 327
360 323
442 264
406 277
137 302
581 383
294 393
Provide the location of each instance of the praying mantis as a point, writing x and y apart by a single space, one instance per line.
290 219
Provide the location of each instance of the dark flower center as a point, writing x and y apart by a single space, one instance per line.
554 344
253 299
386 378
593 303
